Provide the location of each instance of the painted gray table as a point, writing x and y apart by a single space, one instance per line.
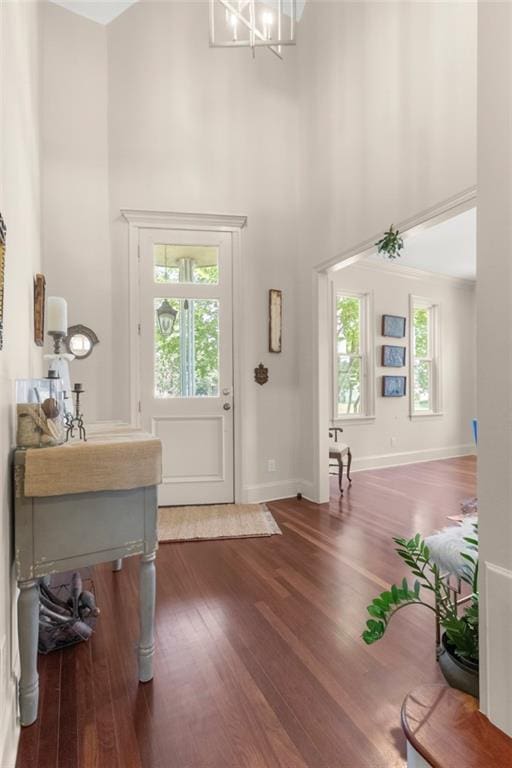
67 532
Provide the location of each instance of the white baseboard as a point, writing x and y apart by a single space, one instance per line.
281 489
496 666
308 490
10 730
410 457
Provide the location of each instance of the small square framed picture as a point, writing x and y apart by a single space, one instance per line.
393 357
394 386
393 325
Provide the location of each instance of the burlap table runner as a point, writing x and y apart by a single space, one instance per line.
106 462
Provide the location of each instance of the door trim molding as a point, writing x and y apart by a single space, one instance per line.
173 220
148 219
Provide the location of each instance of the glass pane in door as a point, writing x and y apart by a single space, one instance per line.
186 263
186 347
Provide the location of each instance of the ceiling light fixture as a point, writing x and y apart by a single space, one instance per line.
253 24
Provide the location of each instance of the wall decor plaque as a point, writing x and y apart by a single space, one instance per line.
3 231
394 386
275 320
261 374
393 325
39 298
393 356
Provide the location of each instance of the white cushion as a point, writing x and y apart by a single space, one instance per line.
338 449
446 547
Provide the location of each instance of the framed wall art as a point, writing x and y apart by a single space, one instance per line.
394 386
2 277
393 325
275 320
393 356
39 299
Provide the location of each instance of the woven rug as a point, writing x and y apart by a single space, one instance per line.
215 521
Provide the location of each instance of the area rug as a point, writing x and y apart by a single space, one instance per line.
215 521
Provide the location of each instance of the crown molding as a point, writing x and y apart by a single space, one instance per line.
413 273
174 220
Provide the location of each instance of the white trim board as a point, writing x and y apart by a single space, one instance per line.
413 273
410 457
175 220
281 489
496 696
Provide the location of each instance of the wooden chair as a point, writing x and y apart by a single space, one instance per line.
337 453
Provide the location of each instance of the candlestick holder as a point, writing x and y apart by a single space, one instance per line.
57 337
76 421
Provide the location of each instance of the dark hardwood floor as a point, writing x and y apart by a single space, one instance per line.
259 662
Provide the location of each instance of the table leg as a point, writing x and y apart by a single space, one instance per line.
28 630
147 584
117 565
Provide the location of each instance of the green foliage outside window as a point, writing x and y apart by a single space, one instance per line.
348 346
422 368
169 355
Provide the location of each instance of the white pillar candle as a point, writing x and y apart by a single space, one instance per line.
57 315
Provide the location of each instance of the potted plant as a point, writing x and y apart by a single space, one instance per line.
391 243
458 655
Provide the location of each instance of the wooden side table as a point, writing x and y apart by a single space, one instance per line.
68 532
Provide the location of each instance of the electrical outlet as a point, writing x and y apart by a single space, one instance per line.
393 442
271 465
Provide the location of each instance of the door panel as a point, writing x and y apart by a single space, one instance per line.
187 360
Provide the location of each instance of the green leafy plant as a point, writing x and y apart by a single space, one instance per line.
461 630
390 244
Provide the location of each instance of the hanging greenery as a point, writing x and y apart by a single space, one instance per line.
391 244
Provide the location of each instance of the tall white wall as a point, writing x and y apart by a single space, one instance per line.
76 237
387 105
393 437
494 303
207 130
20 358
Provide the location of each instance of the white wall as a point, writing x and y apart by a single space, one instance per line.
76 238
494 303
370 120
387 104
393 437
189 129
20 358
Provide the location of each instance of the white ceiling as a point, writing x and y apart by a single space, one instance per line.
102 11
448 248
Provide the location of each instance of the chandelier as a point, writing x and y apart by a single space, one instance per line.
253 24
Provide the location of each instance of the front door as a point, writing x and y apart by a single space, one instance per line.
186 359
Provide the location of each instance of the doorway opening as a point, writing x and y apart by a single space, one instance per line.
357 363
185 371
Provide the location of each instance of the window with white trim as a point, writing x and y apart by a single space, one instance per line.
425 360
352 391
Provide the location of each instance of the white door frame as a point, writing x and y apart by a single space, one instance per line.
140 219
322 322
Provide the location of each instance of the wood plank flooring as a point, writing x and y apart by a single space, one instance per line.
259 662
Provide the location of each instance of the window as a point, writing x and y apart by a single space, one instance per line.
425 374
353 394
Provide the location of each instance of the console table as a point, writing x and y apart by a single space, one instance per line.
78 505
